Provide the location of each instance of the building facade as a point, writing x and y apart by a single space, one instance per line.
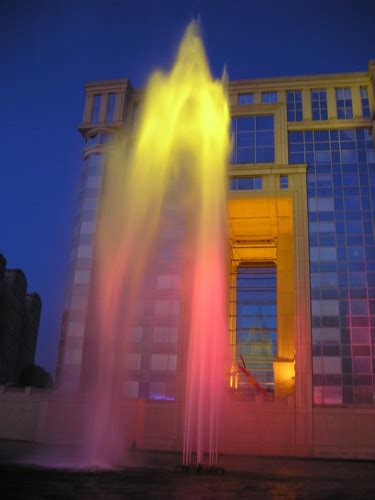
19 323
301 216
29 331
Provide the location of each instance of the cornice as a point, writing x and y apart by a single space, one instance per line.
269 83
299 81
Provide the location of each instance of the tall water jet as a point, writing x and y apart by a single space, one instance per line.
174 166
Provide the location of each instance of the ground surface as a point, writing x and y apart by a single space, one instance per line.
29 472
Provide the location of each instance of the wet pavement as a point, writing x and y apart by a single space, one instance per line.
31 472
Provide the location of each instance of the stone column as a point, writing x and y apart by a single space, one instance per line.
306 104
331 103
371 70
356 101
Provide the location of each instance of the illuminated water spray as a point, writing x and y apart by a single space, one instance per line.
177 159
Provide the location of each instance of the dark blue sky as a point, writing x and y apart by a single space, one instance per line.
49 49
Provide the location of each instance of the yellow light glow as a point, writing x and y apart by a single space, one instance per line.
284 376
177 156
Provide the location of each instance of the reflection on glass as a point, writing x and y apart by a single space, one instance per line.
253 139
342 257
294 105
365 103
269 97
319 104
344 103
246 98
256 321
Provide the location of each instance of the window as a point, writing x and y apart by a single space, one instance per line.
90 203
256 322
269 97
284 183
93 182
294 105
319 104
168 281
133 361
325 254
96 108
165 335
82 276
75 329
344 103
253 139
87 227
365 103
245 98
84 252
110 107
342 260
325 307
72 356
78 302
131 389
167 307
322 227
245 183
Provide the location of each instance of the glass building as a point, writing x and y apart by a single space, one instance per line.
301 210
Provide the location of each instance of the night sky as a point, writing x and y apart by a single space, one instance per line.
49 49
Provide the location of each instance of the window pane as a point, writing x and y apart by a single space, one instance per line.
283 182
319 104
264 122
253 139
245 123
342 253
294 105
96 108
245 98
245 183
269 97
365 103
344 103
110 107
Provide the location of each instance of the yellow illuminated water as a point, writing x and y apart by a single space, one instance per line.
179 151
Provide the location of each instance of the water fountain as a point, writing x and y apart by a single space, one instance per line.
177 160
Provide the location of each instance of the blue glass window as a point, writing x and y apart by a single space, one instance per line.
284 182
294 105
365 103
344 103
245 98
319 104
269 97
110 107
253 139
256 322
96 108
245 183
342 259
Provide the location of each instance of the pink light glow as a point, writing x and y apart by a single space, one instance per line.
208 352
174 177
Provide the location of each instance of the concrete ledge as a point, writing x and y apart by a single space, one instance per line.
344 432
260 427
